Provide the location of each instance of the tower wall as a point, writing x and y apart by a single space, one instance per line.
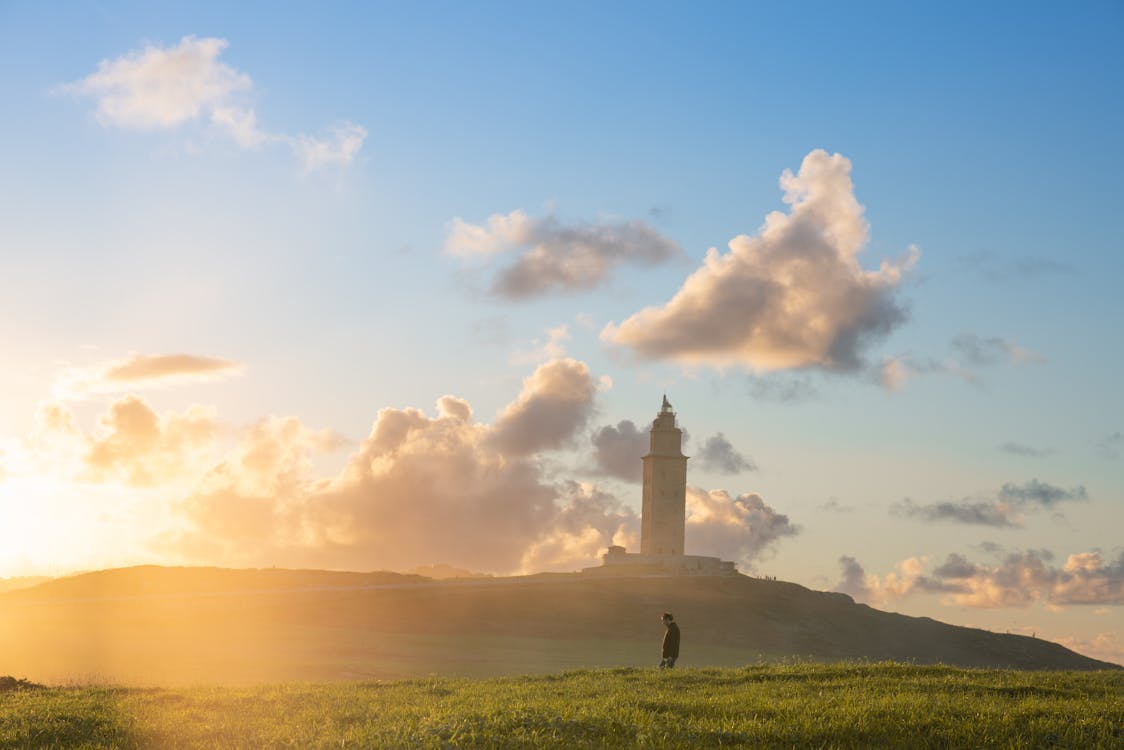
663 515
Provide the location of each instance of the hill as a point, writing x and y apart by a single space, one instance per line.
155 625
157 580
21 582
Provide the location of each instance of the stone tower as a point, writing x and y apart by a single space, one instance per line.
665 488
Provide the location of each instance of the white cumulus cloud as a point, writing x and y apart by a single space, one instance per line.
162 87
168 87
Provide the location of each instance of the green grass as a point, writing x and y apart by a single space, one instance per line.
796 705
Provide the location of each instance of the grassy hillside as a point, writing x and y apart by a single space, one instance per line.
158 580
161 626
805 705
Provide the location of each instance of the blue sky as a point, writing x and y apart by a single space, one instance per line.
330 284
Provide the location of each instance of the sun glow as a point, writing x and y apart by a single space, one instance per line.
50 527
28 537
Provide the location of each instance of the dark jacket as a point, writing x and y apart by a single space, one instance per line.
671 641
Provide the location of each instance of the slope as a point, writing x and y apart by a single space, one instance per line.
174 626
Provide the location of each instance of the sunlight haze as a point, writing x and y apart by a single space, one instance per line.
395 287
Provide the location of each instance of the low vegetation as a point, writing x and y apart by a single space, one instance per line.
794 705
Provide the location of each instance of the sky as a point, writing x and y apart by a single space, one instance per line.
381 285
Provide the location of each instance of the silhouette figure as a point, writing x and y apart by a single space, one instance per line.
670 642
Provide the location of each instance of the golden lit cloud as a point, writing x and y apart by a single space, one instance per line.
1106 646
130 446
555 402
140 448
589 521
1019 580
792 296
741 528
143 371
143 368
418 490
421 489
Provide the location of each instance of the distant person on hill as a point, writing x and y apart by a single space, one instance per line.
670 642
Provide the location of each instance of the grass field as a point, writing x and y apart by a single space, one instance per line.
797 705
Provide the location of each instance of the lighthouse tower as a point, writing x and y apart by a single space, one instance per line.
665 488
663 514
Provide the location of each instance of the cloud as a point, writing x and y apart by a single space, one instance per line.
969 352
1021 449
1106 646
1026 577
1003 510
617 451
991 268
719 455
955 566
1086 579
1111 446
553 347
139 368
978 512
555 257
254 504
556 402
741 528
871 589
782 388
501 234
853 581
792 296
418 490
894 374
983 352
1019 580
587 524
1036 493
53 448
162 88
142 371
337 147
834 506
242 126
136 446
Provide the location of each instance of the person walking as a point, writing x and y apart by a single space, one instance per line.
670 642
